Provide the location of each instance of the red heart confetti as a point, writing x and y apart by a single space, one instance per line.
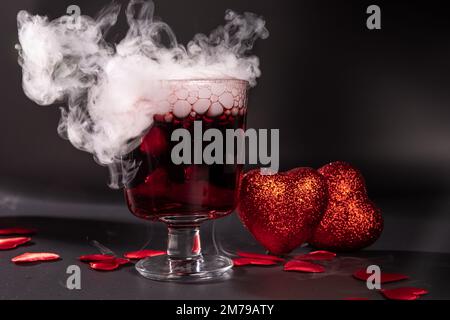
303 266
10 231
141 254
238 262
103 262
122 261
259 256
10 243
404 293
96 257
384 278
104 265
320 255
108 263
35 256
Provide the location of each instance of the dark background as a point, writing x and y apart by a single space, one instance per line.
336 90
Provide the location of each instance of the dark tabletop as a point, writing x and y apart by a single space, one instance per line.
69 229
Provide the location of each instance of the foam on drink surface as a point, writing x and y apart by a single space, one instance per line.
203 97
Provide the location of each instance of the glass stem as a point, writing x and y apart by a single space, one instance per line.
184 243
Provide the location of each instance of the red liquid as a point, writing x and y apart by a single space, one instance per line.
162 189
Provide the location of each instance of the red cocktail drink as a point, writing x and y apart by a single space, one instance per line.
182 195
164 190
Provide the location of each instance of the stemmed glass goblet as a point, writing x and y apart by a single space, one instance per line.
184 195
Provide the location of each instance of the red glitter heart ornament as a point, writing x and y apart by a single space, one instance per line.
384 278
259 256
303 266
239 262
35 256
17 230
405 293
141 254
320 255
11 243
351 221
282 210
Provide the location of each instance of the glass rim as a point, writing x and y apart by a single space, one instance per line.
205 80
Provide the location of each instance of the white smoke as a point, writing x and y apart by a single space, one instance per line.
110 90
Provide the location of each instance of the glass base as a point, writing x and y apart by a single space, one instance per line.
206 267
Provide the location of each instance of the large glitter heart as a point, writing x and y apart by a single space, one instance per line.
351 221
282 210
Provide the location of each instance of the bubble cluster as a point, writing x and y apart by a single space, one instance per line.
203 97
112 91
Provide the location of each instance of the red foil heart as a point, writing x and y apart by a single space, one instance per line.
104 265
384 277
18 230
259 256
103 262
35 256
96 257
122 261
11 243
303 266
405 293
351 221
108 265
282 210
141 254
320 255
238 262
